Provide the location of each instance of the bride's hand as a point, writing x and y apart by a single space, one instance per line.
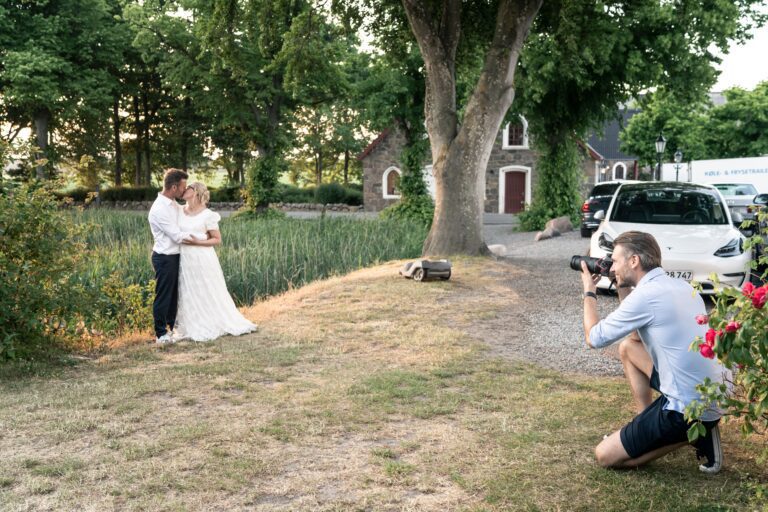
189 241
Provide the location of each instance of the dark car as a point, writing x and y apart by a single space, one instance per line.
599 199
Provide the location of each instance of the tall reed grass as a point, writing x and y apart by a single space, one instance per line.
259 257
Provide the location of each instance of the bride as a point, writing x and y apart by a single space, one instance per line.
206 310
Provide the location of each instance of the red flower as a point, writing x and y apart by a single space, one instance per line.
709 338
702 319
759 297
732 327
707 351
748 289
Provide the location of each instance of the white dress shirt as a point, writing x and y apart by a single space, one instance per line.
663 311
164 223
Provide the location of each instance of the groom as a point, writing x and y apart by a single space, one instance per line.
164 223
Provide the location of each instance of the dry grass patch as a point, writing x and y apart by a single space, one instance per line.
362 392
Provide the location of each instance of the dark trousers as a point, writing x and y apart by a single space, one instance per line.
166 291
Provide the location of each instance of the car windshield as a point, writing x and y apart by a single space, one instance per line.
736 189
668 206
604 189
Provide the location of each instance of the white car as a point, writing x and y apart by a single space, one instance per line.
692 225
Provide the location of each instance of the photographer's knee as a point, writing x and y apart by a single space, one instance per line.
624 348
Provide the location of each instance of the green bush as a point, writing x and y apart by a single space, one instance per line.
353 197
225 195
418 209
40 257
291 194
79 194
738 323
330 193
129 194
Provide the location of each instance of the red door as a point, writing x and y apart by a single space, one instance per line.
514 192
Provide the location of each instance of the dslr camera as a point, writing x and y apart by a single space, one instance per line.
600 266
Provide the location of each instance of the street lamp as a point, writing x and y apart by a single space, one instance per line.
678 159
661 143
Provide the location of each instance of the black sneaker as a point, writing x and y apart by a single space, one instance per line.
710 448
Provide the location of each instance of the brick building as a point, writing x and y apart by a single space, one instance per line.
510 176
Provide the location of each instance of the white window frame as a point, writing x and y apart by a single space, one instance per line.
617 165
503 183
384 180
505 136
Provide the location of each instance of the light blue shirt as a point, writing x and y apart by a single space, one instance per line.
663 311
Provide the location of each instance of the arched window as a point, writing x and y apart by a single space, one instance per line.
515 135
390 183
619 171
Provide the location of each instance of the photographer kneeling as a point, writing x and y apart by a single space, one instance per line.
662 311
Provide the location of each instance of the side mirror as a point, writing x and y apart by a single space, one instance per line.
737 219
599 215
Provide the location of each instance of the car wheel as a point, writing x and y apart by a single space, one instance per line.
419 274
586 232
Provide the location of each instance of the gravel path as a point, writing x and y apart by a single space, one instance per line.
546 325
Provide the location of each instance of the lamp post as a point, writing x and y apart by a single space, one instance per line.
661 143
678 159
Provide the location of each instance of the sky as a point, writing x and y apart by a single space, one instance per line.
745 66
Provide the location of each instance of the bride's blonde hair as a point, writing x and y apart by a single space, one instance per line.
201 191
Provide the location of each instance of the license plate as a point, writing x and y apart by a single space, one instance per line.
679 274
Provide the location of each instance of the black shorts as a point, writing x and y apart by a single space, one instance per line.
655 426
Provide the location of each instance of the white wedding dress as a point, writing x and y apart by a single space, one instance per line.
206 311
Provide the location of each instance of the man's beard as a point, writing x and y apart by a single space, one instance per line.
625 283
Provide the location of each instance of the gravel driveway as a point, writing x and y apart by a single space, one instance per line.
545 326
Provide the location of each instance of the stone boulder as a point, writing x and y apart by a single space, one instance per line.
561 224
546 234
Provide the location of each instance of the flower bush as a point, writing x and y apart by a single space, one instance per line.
738 338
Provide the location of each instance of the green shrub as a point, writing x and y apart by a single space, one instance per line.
225 195
353 197
40 257
291 194
79 194
418 209
129 194
330 193
738 323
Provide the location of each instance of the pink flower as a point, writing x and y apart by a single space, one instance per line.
748 289
759 297
732 327
702 319
707 351
709 338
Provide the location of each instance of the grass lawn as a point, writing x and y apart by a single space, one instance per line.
363 392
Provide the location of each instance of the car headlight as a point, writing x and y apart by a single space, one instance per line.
732 248
605 242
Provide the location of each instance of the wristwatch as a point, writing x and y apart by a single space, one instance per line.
590 294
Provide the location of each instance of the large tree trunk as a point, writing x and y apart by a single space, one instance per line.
137 125
42 120
118 145
460 154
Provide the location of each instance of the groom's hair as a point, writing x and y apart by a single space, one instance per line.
173 177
